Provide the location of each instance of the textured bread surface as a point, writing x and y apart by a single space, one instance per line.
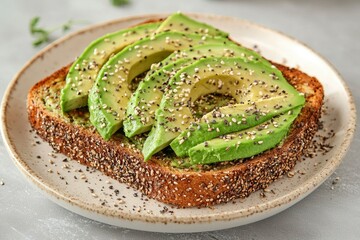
73 135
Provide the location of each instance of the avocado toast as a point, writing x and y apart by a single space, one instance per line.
173 179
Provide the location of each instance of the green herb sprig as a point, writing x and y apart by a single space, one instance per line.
43 35
119 3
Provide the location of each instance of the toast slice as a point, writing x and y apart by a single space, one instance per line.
120 158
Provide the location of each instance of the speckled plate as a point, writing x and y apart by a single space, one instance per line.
93 195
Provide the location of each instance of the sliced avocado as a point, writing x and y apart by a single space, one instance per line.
109 96
245 143
179 22
140 114
247 82
226 119
83 72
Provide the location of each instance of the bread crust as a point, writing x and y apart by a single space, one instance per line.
180 187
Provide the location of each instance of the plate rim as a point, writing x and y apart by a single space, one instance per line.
306 188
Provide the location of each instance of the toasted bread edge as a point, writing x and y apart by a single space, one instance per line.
183 188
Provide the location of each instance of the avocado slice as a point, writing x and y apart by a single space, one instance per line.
83 71
245 143
140 114
179 22
110 94
226 119
247 82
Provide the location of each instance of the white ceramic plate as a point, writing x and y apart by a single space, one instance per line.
93 195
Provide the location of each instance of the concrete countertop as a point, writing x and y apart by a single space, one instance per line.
330 27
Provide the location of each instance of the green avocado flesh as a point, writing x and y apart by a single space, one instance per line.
245 143
232 118
84 70
181 23
140 115
248 82
109 96
203 98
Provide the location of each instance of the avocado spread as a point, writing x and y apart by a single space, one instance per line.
250 109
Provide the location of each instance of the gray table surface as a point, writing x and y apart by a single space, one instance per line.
330 27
